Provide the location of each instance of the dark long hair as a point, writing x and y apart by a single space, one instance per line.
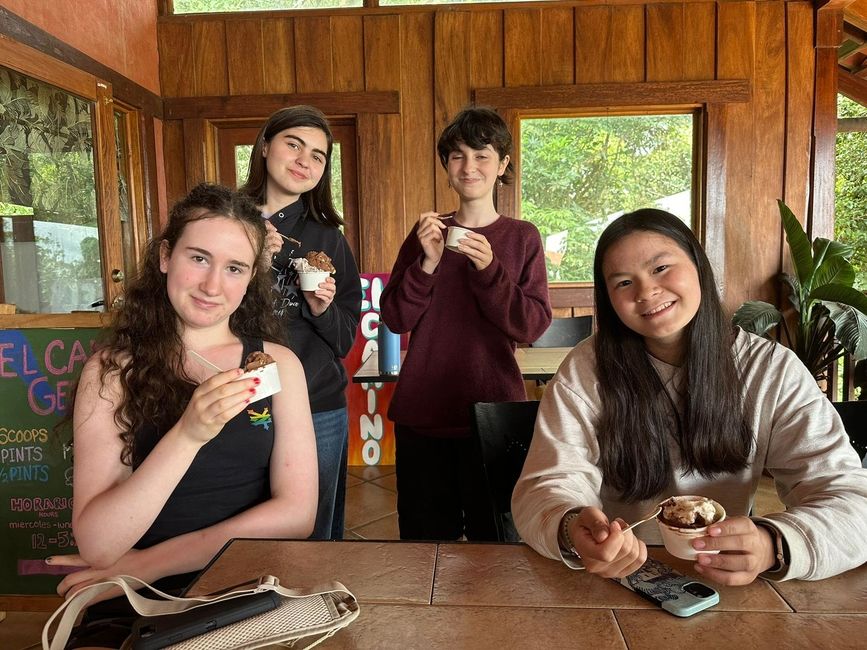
635 422
477 127
144 345
318 201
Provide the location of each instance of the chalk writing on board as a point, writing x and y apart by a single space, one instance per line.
38 369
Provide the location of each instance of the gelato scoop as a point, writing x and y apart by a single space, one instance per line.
688 512
314 261
257 360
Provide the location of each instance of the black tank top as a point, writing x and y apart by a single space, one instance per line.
229 475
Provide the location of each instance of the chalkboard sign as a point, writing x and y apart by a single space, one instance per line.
38 368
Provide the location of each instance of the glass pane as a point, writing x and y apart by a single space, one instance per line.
242 166
337 178
242 163
579 174
209 6
49 251
850 201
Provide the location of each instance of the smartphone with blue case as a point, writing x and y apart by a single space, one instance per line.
672 591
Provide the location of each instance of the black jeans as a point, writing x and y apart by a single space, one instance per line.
441 488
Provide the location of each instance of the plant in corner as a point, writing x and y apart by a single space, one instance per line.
831 315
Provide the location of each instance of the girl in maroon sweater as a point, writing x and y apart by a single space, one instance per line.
467 309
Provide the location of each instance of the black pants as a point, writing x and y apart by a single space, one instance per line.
441 489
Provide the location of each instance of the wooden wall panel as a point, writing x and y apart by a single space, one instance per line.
557 46
592 38
770 116
625 55
664 31
799 60
829 23
451 83
278 39
173 154
486 55
313 70
419 139
209 55
381 194
245 57
736 54
381 52
522 34
699 41
348 36
176 59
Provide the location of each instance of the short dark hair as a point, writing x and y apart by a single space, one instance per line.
477 127
318 200
634 423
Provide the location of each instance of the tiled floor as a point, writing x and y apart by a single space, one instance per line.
371 513
371 503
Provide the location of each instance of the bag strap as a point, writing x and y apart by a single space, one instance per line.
72 607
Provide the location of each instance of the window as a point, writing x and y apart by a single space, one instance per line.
850 202
214 6
50 241
580 173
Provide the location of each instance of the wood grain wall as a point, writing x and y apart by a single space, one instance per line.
435 58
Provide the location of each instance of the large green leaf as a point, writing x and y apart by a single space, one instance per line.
834 270
829 248
841 294
850 328
799 244
757 317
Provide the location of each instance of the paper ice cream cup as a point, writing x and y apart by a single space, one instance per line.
678 541
310 279
454 235
269 381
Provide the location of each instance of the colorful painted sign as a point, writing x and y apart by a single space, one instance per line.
371 433
38 368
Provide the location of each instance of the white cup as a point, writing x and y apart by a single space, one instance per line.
678 541
310 279
269 381
454 235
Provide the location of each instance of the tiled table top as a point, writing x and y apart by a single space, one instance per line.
454 595
484 574
376 572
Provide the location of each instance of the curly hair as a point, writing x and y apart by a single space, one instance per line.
144 347
318 200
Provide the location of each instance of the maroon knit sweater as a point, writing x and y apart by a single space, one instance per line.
465 325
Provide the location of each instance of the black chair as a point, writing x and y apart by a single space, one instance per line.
854 416
504 431
565 332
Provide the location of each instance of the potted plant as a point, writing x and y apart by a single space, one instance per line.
831 315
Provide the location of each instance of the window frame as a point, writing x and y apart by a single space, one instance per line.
37 65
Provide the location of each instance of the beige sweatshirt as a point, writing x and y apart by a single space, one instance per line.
799 439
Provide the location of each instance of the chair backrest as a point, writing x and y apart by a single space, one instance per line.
565 332
504 431
854 416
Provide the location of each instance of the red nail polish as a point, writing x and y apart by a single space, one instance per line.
252 391
257 381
